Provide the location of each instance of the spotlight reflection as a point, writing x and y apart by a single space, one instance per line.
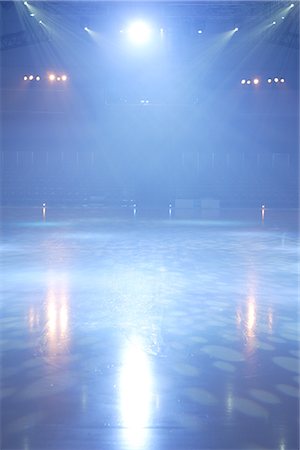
135 394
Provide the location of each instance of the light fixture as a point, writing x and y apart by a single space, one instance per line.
86 29
292 5
32 14
256 81
243 81
64 77
282 80
57 78
25 78
276 80
269 80
248 81
25 3
30 77
274 23
199 31
51 77
139 32
38 78
236 29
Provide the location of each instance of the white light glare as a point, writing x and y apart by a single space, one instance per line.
86 29
139 32
30 77
51 77
25 3
282 80
248 81
32 15
256 81
25 78
64 77
38 78
269 80
41 22
243 81
292 5
236 29
199 31
274 23
276 80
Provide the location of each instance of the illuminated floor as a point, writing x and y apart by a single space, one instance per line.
149 332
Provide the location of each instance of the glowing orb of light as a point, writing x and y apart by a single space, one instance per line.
139 32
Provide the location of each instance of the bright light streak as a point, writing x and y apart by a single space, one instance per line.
139 32
135 394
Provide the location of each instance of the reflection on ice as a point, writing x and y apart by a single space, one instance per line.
57 315
136 393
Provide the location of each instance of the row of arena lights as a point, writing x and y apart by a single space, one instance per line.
139 31
256 81
51 77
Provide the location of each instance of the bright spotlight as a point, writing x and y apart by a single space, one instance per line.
64 77
248 81
283 17
57 78
51 77
243 81
276 80
86 29
236 29
32 14
25 78
269 80
41 22
274 23
25 3
256 81
282 80
200 32
30 77
38 78
292 5
139 32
